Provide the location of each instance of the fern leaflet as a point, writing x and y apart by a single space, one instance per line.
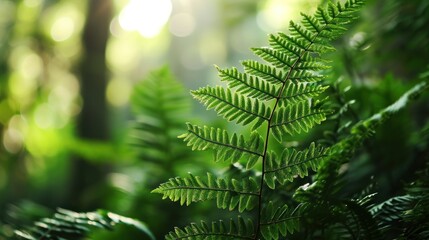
296 118
278 220
248 85
67 224
233 106
226 148
228 193
292 163
219 230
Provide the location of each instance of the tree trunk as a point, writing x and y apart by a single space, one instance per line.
93 121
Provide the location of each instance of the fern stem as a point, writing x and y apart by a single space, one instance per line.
270 124
264 155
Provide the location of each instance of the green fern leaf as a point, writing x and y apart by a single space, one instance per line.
292 163
239 229
307 65
280 42
296 118
305 76
311 23
250 86
233 106
266 72
296 92
67 224
291 79
278 221
304 36
160 95
228 193
342 151
160 104
226 147
276 58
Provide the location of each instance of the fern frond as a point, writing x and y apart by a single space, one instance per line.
292 163
160 104
311 23
366 225
279 42
296 92
266 72
233 106
239 229
304 36
292 80
67 224
305 76
160 94
343 150
296 118
277 58
278 221
229 193
250 86
226 147
392 210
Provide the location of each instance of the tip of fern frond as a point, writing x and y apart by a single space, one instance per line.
182 135
156 190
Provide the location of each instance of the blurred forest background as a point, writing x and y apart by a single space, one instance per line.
69 71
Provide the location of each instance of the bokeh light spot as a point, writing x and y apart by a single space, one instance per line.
13 137
276 14
145 16
182 24
118 92
216 52
62 29
43 116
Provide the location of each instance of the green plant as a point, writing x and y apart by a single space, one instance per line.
281 101
284 180
278 95
160 105
65 224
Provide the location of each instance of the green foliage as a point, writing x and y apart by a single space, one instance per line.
161 105
278 221
226 148
404 216
229 193
67 224
233 106
314 158
296 118
292 163
240 229
285 96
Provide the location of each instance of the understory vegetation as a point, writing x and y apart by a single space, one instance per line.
305 145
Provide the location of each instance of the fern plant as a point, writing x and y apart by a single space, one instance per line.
66 224
278 100
161 105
